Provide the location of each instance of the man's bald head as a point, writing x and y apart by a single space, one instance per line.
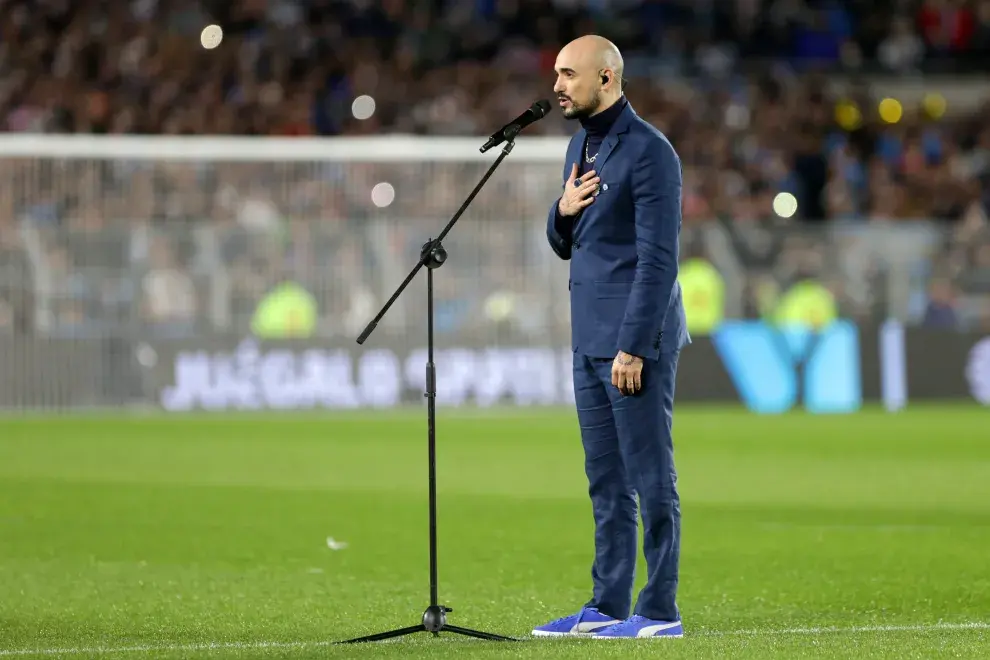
589 76
598 51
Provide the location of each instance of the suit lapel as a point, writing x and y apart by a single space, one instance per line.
608 144
620 126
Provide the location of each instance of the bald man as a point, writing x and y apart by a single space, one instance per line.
618 223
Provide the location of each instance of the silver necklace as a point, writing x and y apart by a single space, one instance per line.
586 158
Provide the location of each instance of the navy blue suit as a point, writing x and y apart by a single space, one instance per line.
623 253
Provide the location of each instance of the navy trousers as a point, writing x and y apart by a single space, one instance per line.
629 452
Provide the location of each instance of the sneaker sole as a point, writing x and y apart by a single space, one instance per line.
545 633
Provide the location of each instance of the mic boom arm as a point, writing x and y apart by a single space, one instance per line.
508 132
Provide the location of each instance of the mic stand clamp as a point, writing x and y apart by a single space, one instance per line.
433 255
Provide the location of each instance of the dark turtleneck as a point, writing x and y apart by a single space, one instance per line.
597 127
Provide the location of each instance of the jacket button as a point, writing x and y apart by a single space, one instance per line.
577 246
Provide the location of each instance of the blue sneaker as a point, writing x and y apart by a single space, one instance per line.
640 627
582 624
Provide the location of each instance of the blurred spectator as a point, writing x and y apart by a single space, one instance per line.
168 302
16 284
941 310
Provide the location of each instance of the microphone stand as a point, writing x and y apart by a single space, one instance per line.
433 255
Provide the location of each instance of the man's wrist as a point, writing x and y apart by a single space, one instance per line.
625 357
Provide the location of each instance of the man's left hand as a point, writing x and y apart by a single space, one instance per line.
627 373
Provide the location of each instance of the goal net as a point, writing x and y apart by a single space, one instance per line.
221 273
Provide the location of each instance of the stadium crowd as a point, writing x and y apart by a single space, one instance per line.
740 86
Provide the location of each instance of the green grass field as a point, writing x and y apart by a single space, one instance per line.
853 537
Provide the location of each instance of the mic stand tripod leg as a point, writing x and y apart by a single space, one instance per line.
433 255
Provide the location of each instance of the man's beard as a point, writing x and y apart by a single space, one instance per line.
582 111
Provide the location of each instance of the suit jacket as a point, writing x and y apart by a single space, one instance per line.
623 248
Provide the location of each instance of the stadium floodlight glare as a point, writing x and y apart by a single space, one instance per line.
363 107
382 194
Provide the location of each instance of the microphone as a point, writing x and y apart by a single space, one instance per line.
535 112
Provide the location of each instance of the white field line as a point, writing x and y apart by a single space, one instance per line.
852 629
251 646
